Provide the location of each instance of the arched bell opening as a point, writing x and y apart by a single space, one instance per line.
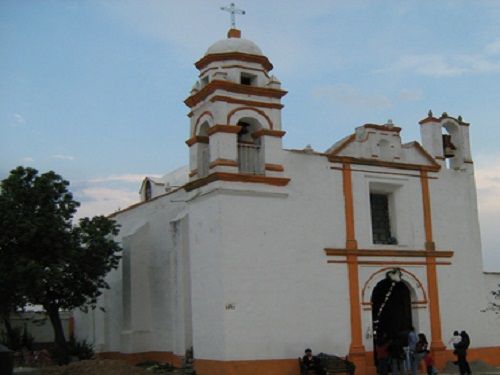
451 145
203 151
250 151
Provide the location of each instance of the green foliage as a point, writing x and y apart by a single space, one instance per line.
81 349
46 259
18 339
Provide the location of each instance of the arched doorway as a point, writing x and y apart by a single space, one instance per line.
391 306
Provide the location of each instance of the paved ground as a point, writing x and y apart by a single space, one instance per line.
110 367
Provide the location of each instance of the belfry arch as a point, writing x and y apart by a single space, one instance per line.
250 151
203 150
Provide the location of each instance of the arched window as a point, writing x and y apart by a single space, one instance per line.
250 152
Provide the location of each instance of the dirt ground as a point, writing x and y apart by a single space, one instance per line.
101 367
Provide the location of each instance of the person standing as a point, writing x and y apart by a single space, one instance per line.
420 349
429 363
412 345
382 351
396 356
461 353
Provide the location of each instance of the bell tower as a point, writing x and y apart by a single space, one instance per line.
235 116
447 140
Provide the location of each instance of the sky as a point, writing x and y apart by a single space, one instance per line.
94 90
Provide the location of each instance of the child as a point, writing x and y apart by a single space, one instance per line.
455 339
429 364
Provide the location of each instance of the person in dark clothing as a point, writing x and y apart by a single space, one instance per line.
396 356
382 351
311 364
461 353
420 349
429 363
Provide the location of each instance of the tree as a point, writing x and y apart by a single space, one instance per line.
53 262
494 305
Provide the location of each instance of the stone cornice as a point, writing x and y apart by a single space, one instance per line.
246 57
232 87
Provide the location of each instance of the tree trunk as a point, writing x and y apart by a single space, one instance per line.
61 346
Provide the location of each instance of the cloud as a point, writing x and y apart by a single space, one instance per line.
107 194
27 159
488 185
352 97
104 201
63 157
19 120
487 175
452 65
493 48
122 178
428 65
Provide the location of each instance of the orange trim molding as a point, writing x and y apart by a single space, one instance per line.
380 163
268 132
197 139
200 117
426 203
256 367
228 99
351 242
194 172
370 281
223 162
386 128
232 129
388 253
274 167
236 177
246 57
233 87
262 113
343 145
356 348
437 345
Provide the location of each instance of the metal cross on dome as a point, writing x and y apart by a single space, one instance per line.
233 11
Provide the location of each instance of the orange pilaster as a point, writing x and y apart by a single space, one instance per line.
437 346
356 349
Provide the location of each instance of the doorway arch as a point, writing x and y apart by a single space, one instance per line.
391 306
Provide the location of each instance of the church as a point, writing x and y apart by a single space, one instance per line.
255 252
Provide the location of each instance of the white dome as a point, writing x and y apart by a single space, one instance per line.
234 45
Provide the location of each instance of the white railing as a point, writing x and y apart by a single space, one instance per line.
249 160
204 162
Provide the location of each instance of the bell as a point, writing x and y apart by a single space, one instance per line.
448 147
449 152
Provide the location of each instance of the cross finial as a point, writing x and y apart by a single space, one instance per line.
233 11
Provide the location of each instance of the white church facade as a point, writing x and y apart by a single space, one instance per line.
256 252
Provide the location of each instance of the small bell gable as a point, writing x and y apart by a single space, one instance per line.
381 144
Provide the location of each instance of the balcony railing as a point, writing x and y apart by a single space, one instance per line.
249 159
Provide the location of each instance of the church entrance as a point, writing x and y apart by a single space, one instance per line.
391 307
